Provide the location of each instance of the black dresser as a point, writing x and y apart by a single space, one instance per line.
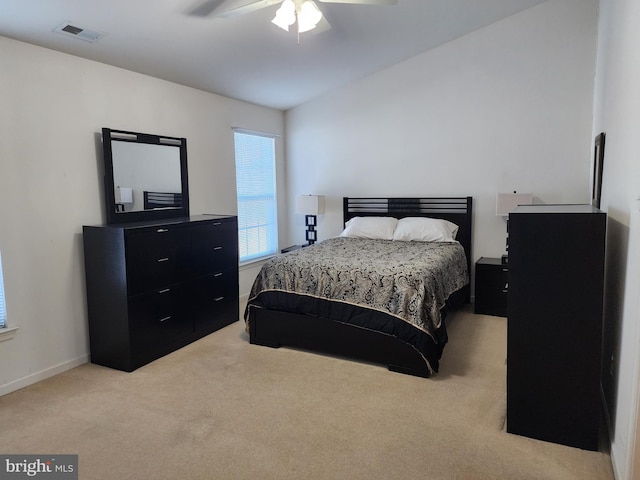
555 313
155 286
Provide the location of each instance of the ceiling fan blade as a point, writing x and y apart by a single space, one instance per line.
248 8
363 2
204 9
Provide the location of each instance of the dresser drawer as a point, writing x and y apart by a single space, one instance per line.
159 316
156 257
216 300
214 247
155 337
156 307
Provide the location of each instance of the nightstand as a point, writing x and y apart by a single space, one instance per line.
292 248
491 286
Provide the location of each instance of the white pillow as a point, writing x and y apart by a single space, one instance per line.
422 229
370 227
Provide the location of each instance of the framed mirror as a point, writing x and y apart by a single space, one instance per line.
145 176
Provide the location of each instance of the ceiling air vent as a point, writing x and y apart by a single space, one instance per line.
80 33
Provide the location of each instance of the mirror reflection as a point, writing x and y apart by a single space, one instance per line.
146 176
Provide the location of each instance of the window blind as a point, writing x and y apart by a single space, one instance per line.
3 310
256 187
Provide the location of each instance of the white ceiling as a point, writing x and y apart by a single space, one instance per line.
247 57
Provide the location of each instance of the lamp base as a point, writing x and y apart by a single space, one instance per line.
311 235
310 221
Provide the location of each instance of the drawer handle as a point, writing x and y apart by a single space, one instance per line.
165 259
164 290
165 318
219 274
506 288
217 248
162 230
218 299
216 224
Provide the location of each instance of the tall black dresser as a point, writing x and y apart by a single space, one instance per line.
155 286
555 312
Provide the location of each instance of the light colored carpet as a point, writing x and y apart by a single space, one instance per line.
224 409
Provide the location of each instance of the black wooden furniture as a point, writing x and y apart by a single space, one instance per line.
491 287
145 162
161 200
458 210
555 308
276 328
155 286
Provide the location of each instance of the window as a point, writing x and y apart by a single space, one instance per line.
256 187
3 309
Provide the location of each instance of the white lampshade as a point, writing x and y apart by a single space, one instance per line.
124 195
505 202
310 204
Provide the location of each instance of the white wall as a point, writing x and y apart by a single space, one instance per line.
508 107
52 108
617 112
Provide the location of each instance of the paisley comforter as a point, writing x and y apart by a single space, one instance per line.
403 285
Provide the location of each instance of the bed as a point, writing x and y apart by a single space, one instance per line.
373 299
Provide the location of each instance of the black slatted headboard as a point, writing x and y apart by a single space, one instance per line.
162 200
458 210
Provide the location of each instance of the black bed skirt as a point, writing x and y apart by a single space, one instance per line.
277 318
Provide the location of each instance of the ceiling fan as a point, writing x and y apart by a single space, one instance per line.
306 13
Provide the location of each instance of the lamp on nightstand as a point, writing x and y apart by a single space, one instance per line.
124 196
505 202
310 206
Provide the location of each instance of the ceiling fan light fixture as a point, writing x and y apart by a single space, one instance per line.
308 16
285 15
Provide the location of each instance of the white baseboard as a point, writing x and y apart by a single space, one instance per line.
42 375
62 367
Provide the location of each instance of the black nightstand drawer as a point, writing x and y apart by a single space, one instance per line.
491 287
